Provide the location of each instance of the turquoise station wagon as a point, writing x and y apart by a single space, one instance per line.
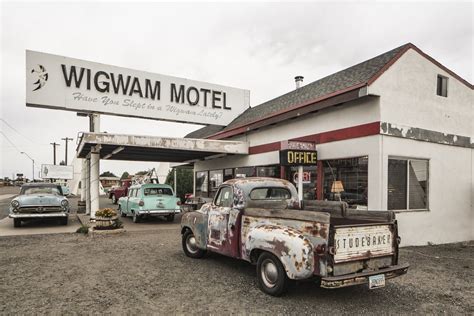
147 200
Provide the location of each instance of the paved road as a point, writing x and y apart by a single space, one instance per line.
6 195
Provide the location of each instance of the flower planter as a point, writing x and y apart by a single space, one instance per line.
106 222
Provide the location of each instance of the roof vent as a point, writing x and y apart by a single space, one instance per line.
299 81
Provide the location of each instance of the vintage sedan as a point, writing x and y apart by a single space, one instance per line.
147 200
39 200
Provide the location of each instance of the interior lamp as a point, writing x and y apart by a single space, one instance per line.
337 188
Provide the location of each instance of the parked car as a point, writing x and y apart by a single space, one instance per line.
116 193
39 200
147 200
258 220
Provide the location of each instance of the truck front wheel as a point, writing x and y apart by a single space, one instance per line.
190 247
272 278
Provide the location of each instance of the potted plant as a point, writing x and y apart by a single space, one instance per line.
106 218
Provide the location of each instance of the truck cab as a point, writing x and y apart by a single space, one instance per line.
259 220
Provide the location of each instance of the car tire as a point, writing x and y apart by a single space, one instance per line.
271 275
16 222
136 218
170 218
189 246
63 220
120 211
114 199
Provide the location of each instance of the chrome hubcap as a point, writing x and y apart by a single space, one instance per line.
191 244
269 273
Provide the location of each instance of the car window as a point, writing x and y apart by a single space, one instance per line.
41 190
224 197
270 194
131 192
157 191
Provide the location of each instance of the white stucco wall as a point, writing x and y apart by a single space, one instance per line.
408 97
450 217
353 113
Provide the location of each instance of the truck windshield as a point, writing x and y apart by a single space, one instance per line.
270 194
157 191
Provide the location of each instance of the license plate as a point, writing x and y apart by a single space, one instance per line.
376 281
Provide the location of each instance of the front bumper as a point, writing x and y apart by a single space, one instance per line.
38 215
362 277
158 212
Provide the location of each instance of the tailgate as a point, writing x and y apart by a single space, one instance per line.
356 242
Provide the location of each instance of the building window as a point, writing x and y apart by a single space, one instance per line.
442 86
269 171
202 183
244 172
228 174
309 180
407 184
347 180
215 179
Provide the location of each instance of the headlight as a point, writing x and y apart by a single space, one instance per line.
15 204
64 203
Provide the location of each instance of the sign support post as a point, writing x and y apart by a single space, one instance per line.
88 185
300 184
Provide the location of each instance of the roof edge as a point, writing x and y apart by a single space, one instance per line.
422 53
292 108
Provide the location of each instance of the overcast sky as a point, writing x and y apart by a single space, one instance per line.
259 47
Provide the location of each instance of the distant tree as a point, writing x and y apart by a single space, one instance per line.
125 175
62 163
184 179
107 174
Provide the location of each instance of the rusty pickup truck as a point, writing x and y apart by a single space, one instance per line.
260 220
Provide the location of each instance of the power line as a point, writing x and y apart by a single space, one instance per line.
16 131
8 139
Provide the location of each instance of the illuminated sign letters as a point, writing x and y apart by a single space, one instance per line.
297 157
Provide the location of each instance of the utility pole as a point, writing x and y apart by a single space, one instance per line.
54 151
33 175
67 139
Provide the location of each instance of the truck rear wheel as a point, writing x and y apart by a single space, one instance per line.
190 247
114 199
271 274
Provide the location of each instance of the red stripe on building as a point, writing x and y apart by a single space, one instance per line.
342 134
264 148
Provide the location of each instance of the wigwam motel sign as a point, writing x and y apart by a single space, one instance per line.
63 83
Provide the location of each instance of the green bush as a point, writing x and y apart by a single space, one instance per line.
84 229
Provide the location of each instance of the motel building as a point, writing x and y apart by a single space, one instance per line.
394 132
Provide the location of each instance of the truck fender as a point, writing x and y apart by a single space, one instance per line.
293 249
197 223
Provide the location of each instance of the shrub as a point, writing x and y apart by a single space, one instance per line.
84 229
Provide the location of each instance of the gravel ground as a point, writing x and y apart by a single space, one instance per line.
147 272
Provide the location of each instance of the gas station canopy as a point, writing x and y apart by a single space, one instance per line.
153 148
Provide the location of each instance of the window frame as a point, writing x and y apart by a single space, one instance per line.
428 173
218 193
268 188
440 89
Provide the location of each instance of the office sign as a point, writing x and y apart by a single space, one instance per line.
290 157
57 172
63 83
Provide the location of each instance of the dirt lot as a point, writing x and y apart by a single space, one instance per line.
147 272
